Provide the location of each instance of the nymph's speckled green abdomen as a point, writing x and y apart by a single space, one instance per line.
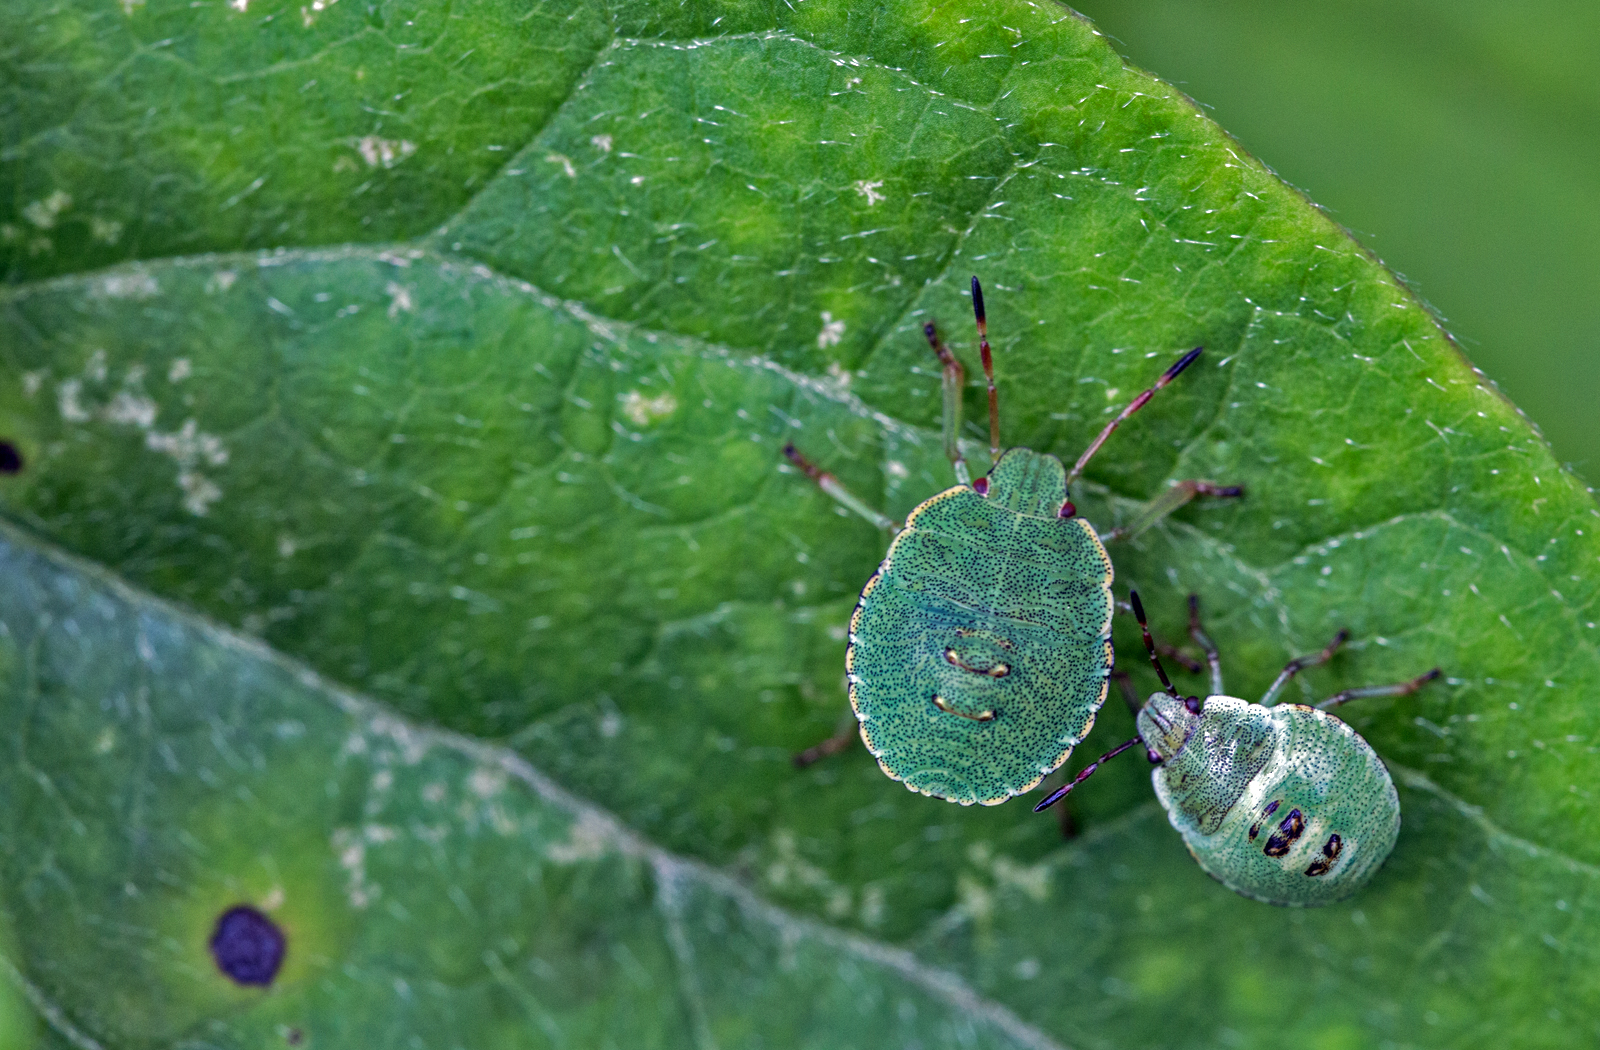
980 649
1283 804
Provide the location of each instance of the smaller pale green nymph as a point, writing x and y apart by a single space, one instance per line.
1284 804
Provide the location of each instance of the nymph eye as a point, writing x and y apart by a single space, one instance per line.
1193 704
1068 510
981 486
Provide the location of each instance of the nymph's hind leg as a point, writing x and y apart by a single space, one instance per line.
1300 663
954 379
846 734
1069 823
839 741
832 486
1176 495
1125 686
1204 641
1401 689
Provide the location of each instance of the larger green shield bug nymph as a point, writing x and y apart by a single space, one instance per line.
1285 804
979 651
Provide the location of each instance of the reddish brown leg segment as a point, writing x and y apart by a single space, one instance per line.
840 741
1088 771
1149 643
1176 495
1139 402
831 485
1206 645
953 381
1402 689
1125 684
1300 663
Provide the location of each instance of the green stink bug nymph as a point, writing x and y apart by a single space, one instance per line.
980 649
1285 804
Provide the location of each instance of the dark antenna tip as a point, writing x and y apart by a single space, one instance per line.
1183 362
1138 606
1084 774
977 299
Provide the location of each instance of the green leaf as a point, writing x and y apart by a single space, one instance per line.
179 771
491 435
1400 117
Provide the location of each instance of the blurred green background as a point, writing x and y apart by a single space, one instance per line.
1458 139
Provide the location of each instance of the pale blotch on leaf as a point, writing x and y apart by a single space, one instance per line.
588 838
191 448
601 143
308 14
1007 874
43 213
380 152
973 899
870 190
67 403
832 333
790 871
872 906
399 299
127 286
352 853
565 162
643 411
106 231
486 782
131 408
179 370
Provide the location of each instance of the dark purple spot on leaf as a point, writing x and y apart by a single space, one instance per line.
248 946
1291 828
10 458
